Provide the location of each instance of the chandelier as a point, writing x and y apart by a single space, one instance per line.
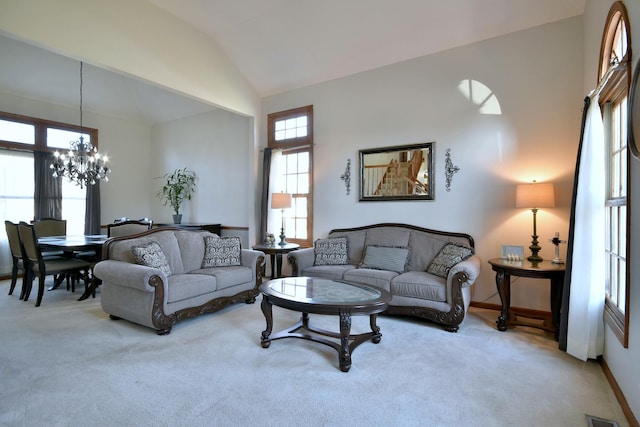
82 164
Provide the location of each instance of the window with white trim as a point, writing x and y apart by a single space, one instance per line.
291 133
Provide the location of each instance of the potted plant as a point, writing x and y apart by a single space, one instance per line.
178 187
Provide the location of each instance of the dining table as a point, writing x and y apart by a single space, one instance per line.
72 245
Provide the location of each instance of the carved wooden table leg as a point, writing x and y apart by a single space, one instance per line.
375 329
556 303
345 332
268 315
503 283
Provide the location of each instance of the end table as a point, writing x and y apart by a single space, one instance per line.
275 252
542 270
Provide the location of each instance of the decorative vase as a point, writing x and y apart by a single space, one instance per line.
177 218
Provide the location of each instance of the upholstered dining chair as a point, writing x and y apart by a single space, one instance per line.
47 227
17 256
37 266
126 228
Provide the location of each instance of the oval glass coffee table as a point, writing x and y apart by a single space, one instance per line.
323 296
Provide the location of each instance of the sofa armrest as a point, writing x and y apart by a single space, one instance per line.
129 275
465 272
250 258
300 259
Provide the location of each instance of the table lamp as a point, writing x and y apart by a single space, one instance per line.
535 196
281 201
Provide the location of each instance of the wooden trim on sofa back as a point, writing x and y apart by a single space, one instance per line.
409 227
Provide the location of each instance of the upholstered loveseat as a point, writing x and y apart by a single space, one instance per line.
428 272
165 275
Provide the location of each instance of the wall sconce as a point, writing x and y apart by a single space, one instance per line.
535 196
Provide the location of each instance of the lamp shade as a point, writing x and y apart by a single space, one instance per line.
280 201
535 195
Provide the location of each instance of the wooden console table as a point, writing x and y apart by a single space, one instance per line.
543 270
212 228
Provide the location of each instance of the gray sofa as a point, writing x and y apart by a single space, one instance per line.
182 275
428 272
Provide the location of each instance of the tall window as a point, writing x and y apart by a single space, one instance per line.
291 134
614 77
20 138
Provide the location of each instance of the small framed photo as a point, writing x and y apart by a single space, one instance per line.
512 252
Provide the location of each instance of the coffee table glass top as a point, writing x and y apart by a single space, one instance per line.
321 291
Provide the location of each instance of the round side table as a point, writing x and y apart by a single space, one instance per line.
275 252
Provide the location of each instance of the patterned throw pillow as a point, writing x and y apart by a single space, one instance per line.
385 258
151 255
448 256
331 251
221 251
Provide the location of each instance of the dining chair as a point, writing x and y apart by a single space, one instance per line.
17 256
47 227
126 228
37 266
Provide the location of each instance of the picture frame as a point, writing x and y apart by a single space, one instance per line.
513 252
633 114
404 172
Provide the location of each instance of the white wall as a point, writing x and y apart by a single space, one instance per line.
216 147
622 362
536 76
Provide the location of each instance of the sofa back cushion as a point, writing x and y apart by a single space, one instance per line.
120 250
191 244
423 245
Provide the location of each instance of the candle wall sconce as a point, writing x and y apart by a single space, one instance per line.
346 176
449 168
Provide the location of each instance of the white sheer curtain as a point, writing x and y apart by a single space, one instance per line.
585 332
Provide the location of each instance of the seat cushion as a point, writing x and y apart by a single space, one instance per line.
333 272
419 284
227 276
185 286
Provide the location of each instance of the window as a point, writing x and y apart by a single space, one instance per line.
20 138
291 131
614 75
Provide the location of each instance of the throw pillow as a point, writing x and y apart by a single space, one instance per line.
221 251
385 258
448 256
331 251
151 255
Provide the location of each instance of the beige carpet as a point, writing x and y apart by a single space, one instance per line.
66 364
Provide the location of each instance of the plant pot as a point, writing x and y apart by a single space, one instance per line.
177 219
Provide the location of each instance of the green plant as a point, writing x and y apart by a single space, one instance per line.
178 187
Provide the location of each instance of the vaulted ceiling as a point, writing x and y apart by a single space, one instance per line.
280 45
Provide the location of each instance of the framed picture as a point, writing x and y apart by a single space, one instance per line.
403 172
633 117
512 252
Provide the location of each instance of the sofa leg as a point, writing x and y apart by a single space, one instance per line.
165 331
451 328
112 317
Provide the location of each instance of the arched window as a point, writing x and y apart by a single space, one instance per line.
614 77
